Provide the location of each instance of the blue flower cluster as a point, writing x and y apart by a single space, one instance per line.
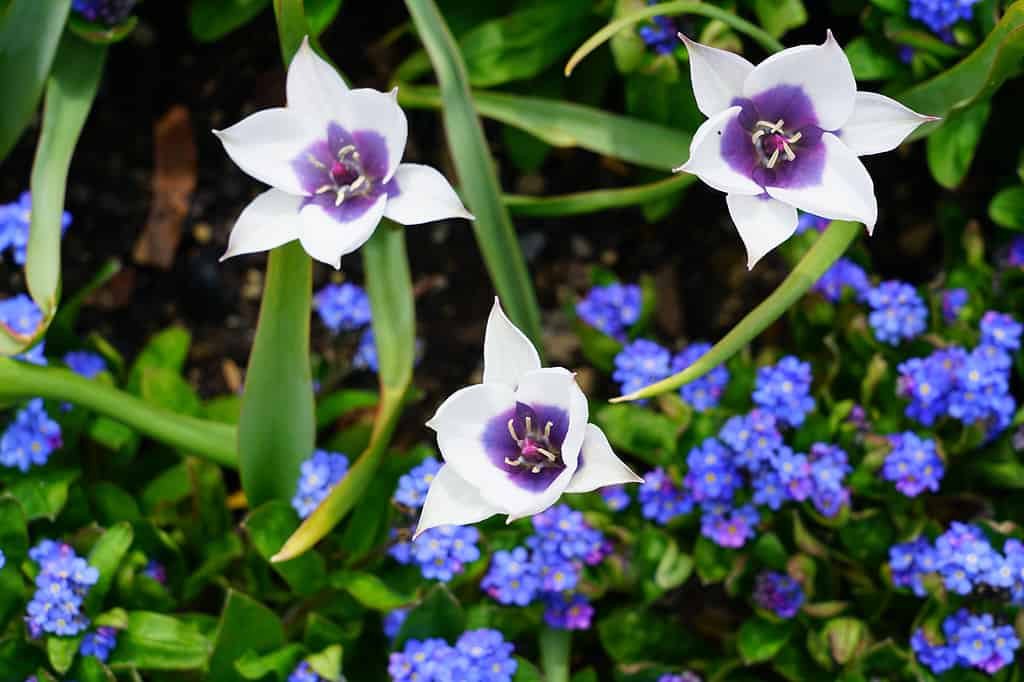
393 621
939 15
321 472
972 641
441 552
109 12
843 274
783 390
779 593
304 672
660 34
85 364
969 386
681 677
953 301
15 219
897 312
478 656
616 497
29 439
965 560
63 581
644 362
550 567
611 309
913 464
342 307
99 643
366 352
748 451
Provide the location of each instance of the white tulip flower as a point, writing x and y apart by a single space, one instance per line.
514 443
332 158
785 135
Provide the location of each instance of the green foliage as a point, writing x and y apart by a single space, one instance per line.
951 148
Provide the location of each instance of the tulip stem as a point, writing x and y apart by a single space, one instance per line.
826 251
210 440
555 645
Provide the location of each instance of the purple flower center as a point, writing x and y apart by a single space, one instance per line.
526 443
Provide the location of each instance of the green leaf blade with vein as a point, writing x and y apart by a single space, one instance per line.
493 227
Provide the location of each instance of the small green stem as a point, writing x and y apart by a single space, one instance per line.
826 251
206 439
555 645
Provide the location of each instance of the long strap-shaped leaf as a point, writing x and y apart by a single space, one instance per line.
389 286
277 428
30 31
826 251
669 9
70 92
211 440
593 201
478 179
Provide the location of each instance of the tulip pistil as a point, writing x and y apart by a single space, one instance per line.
773 143
536 451
346 175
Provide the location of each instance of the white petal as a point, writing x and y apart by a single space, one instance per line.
707 161
265 144
270 220
879 124
315 89
424 195
846 191
451 500
763 223
717 76
465 412
371 109
508 353
327 239
599 466
557 387
824 73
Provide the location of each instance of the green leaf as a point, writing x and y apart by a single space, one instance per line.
61 652
106 557
566 124
90 669
819 258
321 14
165 388
977 76
1007 208
269 526
99 33
479 180
154 641
330 408
370 591
870 62
673 568
440 615
167 349
280 663
327 663
276 429
760 640
769 550
713 562
846 638
638 430
595 201
210 20
43 493
13 533
779 16
633 634
30 32
245 625
522 44
389 287
527 672
951 147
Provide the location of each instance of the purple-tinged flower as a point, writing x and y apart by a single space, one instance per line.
660 34
778 592
769 490
844 274
342 307
366 352
393 621
513 577
15 223
413 486
809 221
3 559
109 12
939 15
63 582
1000 330
786 134
430 660
155 570
568 611
936 657
640 364
30 438
84 363
616 497
753 438
514 443
913 464
486 656
910 562
441 552
705 392
953 301
661 500
20 315
729 527
99 643
898 312
686 676
1015 253
332 158
304 672
611 309
712 475
783 390
928 382
321 472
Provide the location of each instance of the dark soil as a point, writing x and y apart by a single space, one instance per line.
695 255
